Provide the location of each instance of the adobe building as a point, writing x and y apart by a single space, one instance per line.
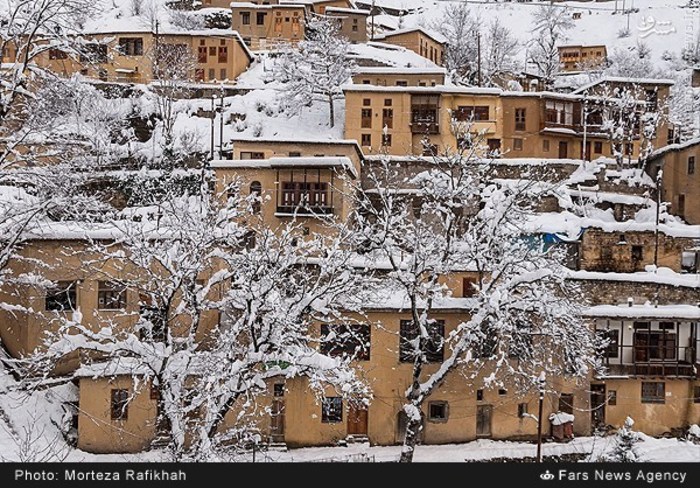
579 57
400 120
431 45
393 76
680 182
212 55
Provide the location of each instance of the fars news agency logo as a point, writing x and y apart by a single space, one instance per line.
546 476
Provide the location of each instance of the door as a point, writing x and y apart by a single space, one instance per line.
483 420
563 150
277 420
597 405
587 156
357 421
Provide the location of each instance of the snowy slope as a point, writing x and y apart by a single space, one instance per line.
662 24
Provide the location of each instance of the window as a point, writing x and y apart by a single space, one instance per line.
110 296
522 409
612 397
354 28
438 411
366 102
366 139
94 53
696 394
294 154
430 149
222 72
119 406
691 165
653 392
158 318
245 18
302 195
212 74
366 118
494 147
386 140
432 348
57 54
256 191
332 410
401 83
502 392
466 113
388 102
612 337
388 118
131 46
517 144
566 403
681 205
223 54
252 155
212 50
62 297
519 119
346 340
545 145
479 395
260 18
199 74
469 287
637 253
278 389
598 147
202 54
365 82
653 344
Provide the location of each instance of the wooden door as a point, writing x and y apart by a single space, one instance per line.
563 150
587 155
277 420
597 405
357 421
483 420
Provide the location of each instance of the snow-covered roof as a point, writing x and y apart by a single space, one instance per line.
115 367
646 311
289 162
401 70
619 79
674 147
664 276
436 36
389 54
301 140
343 10
456 90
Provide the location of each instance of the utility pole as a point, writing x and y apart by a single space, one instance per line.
659 182
585 126
221 124
213 118
478 56
541 382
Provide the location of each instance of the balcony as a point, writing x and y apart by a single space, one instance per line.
305 191
425 127
651 349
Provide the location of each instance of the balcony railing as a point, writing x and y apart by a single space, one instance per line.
425 128
302 209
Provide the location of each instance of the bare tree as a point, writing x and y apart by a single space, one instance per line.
524 317
501 48
551 23
317 69
461 31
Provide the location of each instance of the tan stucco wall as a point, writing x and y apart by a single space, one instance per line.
653 419
98 432
289 27
391 79
676 181
419 43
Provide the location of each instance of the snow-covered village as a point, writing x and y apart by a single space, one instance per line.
349 231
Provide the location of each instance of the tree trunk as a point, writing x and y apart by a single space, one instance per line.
413 428
332 110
